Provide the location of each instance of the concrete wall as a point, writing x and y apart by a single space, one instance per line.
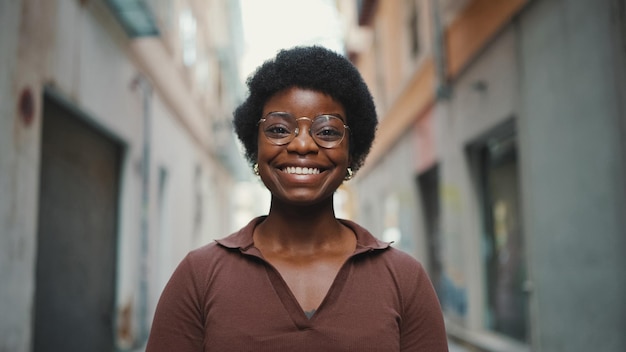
573 175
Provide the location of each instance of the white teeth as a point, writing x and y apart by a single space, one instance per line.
301 170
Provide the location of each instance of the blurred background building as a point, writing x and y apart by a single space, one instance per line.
116 158
499 161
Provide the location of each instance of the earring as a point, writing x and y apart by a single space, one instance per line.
349 174
255 169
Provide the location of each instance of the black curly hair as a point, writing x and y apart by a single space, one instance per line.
316 68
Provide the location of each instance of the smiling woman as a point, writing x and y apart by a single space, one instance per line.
300 279
278 157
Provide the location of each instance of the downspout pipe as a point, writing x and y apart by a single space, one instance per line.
144 237
443 91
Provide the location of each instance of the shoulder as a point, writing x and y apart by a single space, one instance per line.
199 263
205 255
392 257
404 266
216 251
402 259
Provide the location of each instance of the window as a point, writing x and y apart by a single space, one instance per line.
496 170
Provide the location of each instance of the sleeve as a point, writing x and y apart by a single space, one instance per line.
422 327
178 323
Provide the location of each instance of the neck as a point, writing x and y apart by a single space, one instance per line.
305 228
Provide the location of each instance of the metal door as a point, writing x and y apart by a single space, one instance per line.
77 234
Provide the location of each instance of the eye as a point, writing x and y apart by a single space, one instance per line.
328 128
277 131
328 133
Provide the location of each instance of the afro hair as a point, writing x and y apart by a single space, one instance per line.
319 69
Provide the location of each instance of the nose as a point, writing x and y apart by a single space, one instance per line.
303 142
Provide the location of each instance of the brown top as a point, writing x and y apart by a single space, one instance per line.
226 297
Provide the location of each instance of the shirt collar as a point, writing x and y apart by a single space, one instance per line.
243 241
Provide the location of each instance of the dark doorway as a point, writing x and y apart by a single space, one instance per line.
428 185
494 159
77 234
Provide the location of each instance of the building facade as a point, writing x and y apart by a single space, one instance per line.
499 162
116 158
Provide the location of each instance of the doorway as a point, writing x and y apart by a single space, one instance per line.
428 185
494 159
77 233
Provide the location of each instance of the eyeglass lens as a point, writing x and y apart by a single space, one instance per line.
281 128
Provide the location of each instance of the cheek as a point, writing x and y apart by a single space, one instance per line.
342 156
266 151
262 145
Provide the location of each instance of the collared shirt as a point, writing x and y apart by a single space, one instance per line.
226 297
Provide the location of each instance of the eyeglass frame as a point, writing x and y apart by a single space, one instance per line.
296 131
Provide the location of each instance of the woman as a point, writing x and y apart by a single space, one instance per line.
299 279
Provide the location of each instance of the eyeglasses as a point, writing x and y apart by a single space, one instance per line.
281 128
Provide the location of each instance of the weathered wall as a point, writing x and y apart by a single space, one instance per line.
20 73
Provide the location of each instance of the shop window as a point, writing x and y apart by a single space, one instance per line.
494 160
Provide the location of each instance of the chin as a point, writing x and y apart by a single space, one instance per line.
305 199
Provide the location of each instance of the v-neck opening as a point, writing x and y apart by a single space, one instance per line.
290 302
242 240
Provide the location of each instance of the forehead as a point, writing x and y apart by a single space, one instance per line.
303 101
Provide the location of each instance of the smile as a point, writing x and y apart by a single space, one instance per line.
301 170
